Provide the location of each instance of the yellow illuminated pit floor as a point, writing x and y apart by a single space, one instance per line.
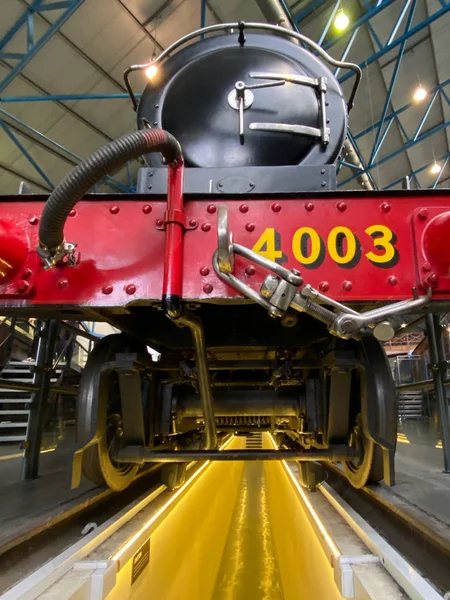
249 566
240 532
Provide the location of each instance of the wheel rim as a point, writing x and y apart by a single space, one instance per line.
357 470
98 463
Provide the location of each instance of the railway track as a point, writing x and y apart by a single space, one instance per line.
336 542
421 538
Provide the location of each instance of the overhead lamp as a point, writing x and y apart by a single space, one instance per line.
403 325
435 168
151 71
341 21
419 94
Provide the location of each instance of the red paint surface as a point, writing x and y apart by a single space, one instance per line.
127 248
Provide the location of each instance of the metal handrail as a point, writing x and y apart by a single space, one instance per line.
241 26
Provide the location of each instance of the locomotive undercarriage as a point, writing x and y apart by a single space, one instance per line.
322 398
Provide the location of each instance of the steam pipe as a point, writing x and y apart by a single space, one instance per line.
195 325
84 176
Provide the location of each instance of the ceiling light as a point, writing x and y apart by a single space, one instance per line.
341 21
403 325
435 168
151 71
419 94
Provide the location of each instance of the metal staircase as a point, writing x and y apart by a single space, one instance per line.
15 403
410 405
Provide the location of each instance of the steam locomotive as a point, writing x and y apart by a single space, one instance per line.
266 291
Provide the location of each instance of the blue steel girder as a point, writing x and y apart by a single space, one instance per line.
404 37
25 152
51 146
414 174
66 9
380 137
395 114
33 46
406 146
395 41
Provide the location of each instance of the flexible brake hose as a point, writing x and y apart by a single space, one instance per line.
80 180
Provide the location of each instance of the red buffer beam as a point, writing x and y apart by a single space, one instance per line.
353 248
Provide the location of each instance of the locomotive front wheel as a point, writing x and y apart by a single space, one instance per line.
368 465
102 396
372 407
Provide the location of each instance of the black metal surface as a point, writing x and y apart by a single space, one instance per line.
339 406
132 406
379 401
261 403
41 379
242 180
439 367
188 97
140 455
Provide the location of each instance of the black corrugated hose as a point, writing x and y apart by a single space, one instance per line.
104 161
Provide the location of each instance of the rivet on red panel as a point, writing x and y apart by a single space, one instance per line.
130 288
309 206
385 207
324 286
341 206
250 270
276 207
72 213
431 280
347 286
146 209
211 209
423 213
34 220
208 288
426 266
243 208
159 222
250 227
193 223
392 280
204 271
62 284
107 289
22 286
114 209
206 226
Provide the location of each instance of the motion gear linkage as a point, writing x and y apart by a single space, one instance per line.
280 292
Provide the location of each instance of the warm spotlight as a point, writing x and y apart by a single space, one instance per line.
435 168
419 94
341 21
151 71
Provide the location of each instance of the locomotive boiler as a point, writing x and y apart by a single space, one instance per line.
266 291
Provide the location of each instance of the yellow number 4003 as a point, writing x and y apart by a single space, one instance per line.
307 246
